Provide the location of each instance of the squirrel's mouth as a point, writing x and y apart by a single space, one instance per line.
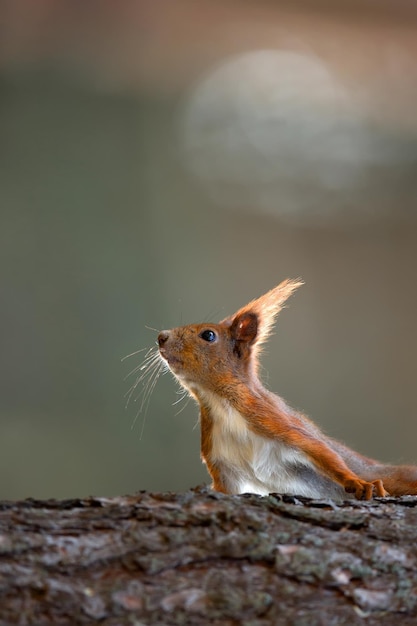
173 361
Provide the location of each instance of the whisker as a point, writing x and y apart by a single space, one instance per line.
182 394
147 396
154 372
184 406
149 372
149 356
146 375
213 313
136 369
156 330
133 354
150 362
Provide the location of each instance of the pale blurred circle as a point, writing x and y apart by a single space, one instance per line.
274 130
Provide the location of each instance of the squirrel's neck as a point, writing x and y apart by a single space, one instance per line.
247 400
236 394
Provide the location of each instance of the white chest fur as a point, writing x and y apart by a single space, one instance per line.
250 463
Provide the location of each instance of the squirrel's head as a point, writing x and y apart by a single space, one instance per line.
213 357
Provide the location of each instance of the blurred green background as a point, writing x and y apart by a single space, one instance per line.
164 163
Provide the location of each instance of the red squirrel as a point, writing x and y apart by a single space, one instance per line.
251 440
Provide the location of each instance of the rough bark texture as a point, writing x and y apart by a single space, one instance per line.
201 557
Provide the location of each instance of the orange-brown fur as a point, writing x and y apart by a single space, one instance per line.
239 416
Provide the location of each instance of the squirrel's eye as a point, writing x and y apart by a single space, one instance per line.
208 335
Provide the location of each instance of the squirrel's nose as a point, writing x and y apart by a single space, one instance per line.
163 337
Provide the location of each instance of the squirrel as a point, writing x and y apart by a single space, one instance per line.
251 440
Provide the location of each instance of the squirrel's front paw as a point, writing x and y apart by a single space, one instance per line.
364 490
379 489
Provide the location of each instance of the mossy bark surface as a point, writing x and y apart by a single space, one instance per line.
201 557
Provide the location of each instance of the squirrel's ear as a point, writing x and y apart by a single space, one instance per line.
244 327
253 322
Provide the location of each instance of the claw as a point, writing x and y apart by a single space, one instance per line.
379 489
365 490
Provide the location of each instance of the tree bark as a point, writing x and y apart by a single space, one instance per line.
204 558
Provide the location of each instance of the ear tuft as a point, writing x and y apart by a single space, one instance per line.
264 311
